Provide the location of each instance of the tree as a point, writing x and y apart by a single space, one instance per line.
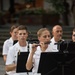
11 9
61 7
57 5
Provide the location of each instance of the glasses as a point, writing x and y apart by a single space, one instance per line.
74 35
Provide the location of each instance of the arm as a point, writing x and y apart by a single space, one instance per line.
10 62
5 50
10 67
29 63
4 57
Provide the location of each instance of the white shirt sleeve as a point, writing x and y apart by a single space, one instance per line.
10 56
5 48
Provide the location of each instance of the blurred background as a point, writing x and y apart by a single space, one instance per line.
36 14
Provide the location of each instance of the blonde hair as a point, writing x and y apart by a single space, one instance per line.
39 32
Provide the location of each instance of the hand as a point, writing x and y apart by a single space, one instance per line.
43 46
34 47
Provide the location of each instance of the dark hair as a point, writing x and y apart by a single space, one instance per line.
22 27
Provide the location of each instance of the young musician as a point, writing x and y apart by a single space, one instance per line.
44 37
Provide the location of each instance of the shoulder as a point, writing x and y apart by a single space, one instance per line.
13 47
52 39
9 41
6 41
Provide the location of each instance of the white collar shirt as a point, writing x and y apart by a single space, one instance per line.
53 46
12 56
36 59
7 44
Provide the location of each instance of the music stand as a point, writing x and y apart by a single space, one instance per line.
68 46
62 46
21 61
71 47
55 63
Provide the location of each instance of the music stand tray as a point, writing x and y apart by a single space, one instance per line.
55 63
21 61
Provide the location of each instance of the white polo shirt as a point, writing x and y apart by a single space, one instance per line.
8 43
53 46
12 56
36 58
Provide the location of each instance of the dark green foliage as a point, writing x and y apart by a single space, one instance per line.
58 5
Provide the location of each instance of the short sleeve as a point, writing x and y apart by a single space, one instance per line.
10 56
5 48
